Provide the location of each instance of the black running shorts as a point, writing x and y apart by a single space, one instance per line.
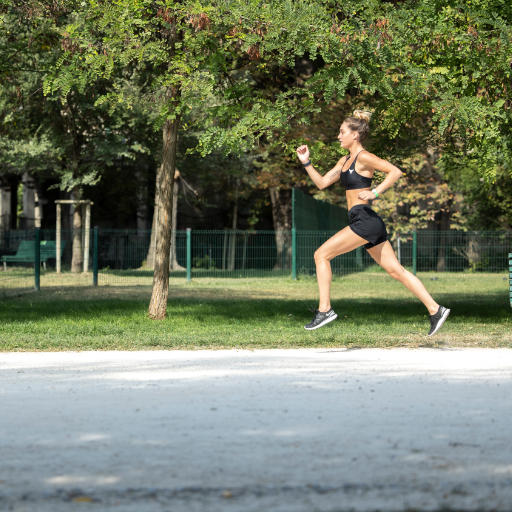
363 221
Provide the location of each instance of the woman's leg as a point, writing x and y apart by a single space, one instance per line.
343 241
384 255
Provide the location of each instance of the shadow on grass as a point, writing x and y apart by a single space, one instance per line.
197 273
488 308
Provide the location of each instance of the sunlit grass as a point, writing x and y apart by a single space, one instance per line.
374 311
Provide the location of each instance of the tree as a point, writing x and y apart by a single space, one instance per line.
437 76
66 136
446 120
450 67
26 145
257 78
201 58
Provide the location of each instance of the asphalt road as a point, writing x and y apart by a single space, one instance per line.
264 430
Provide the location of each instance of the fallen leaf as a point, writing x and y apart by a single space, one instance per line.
83 499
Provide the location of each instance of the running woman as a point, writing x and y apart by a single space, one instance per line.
355 172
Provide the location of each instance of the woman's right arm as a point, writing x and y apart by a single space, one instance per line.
320 181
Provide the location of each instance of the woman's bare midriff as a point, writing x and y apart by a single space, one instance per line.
353 199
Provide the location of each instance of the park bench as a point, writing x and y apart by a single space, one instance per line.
25 252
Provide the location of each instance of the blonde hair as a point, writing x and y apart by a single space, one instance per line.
359 122
365 115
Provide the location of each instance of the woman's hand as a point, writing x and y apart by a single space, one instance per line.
303 153
366 195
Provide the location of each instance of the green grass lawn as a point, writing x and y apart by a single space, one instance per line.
373 309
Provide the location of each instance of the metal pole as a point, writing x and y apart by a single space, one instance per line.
58 240
37 259
95 257
189 254
510 276
414 251
87 236
294 254
294 224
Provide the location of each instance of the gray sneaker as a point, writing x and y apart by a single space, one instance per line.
320 319
437 320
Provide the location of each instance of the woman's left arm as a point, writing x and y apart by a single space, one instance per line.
374 162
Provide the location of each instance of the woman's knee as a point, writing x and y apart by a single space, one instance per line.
320 256
396 272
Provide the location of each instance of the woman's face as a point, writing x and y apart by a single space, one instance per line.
346 136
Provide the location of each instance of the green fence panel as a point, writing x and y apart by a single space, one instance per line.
510 276
310 214
189 254
457 251
17 261
95 249
294 254
37 259
309 241
120 256
415 252
233 253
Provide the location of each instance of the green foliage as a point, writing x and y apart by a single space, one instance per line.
63 136
217 60
257 79
204 262
462 53
35 153
421 199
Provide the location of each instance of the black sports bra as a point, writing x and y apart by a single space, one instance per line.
351 179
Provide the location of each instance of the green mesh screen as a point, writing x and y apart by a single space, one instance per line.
310 214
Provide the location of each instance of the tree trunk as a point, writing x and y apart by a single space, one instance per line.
68 116
282 215
164 186
150 257
14 183
38 210
473 253
443 222
175 190
5 206
77 254
29 201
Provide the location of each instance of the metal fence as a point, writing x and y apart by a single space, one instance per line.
121 256
14 276
510 276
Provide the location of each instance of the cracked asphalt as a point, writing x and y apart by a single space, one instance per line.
282 430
